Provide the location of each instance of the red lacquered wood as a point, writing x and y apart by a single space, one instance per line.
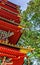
9 3
13 28
11 56
9 16
17 56
3 0
12 4
11 51
6 55
10 8
16 60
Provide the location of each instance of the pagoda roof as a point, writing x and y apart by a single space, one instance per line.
10 3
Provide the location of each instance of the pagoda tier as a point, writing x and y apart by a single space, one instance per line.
10 53
10 16
13 28
13 10
10 4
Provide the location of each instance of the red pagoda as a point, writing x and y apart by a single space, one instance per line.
10 32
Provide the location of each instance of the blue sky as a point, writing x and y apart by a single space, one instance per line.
22 3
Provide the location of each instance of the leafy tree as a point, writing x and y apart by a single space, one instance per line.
33 12
30 21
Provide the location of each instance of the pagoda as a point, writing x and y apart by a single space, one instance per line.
10 32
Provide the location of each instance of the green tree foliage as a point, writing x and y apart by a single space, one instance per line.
33 12
30 20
